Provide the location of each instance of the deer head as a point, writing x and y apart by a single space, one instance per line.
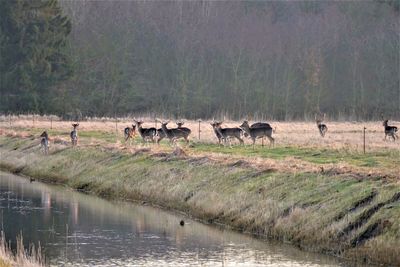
44 134
179 123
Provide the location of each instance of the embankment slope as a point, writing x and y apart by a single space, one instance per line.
340 214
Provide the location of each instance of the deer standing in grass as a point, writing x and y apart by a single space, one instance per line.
321 127
173 134
160 135
147 134
129 133
225 134
44 142
264 130
390 131
74 134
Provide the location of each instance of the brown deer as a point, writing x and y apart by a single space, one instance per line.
390 131
44 142
129 133
321 127
225 134
258 132
147 134
174 134
74 134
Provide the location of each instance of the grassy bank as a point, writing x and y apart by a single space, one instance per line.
341 214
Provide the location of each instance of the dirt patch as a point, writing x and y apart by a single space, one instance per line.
358 204
367 214
371 231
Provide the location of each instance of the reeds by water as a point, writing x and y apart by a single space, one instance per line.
31 257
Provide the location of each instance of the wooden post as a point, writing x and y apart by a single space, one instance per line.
116 125
51 122
33 120
199 128
364 140
9 115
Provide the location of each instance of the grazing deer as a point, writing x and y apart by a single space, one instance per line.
129 133
174 134
147 134
390 130
226 133
258 132
44 142
74 134
321 127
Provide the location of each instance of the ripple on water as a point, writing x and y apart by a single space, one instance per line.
80 230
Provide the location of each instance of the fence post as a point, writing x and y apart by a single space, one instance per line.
9 115
51 122
33 121
199 127
364 140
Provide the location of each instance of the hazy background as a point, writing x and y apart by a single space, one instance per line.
201 59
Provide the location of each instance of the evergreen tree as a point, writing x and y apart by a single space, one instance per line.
33 36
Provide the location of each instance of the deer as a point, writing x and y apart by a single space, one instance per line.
74 134
44 142
129 133
258 132
180 124
260 124
160 135
174 134
390 131
147 134
321 127
226 133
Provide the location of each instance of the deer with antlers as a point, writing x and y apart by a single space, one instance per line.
225 134
322 128
74 134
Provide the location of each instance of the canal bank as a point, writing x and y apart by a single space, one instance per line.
343 215
76 229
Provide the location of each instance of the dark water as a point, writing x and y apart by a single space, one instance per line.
81 230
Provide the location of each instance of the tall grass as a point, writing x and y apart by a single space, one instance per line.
31 257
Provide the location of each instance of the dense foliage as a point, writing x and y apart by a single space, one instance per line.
32 37
273 59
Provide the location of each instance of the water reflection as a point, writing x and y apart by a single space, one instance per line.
80 230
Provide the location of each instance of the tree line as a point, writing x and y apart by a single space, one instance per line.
201 59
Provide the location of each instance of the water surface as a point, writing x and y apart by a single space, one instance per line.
75 229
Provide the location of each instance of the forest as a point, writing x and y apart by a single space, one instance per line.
278 60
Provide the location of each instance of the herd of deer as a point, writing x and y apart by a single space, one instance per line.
255 131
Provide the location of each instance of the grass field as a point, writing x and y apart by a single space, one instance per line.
356 216
341 135
303 185
298 145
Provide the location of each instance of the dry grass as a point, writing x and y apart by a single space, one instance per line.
341 135
311 210
22 257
